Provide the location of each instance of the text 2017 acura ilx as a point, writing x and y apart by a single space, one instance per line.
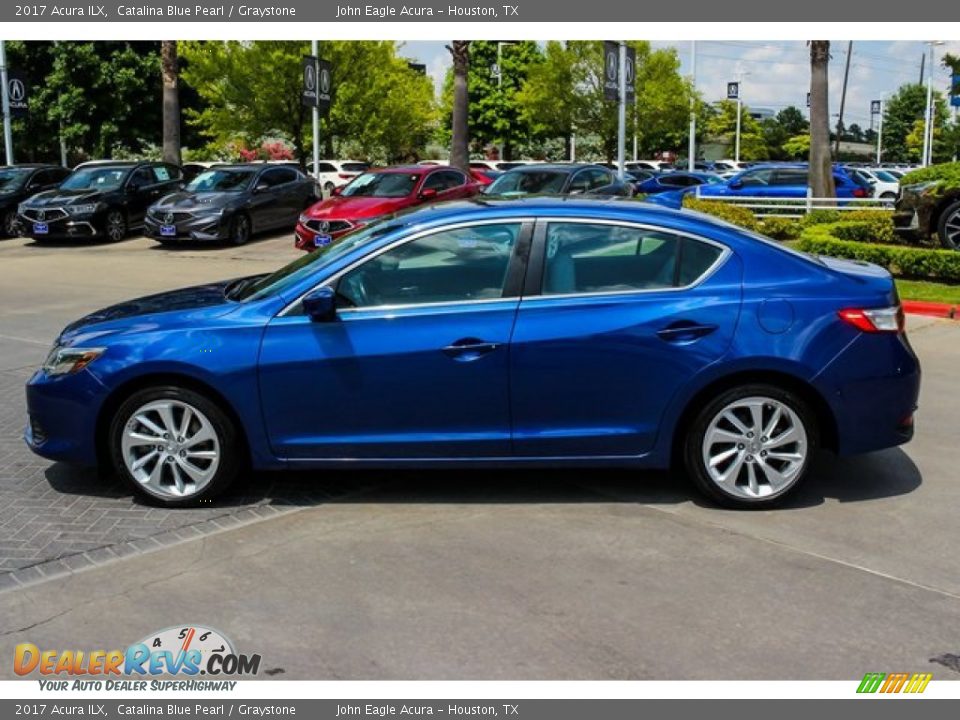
488 333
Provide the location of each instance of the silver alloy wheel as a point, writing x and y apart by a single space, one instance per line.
755 448
241 232
170 448
11 225
116 227
951 227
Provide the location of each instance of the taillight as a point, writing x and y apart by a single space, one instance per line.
874 320
861 192
344 176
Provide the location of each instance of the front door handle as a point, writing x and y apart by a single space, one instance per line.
467 349
684 331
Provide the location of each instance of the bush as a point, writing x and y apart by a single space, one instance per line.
867 226
735 214
781 228
909 262
947 173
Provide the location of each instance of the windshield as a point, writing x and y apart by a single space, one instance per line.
221 181
100 178
381 185
528 183
12 179
354 167
291 274
884 176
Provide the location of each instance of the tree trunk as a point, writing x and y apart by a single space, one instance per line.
460 146
821 168
171 101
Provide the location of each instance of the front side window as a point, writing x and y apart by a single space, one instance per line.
458 265
599 258
444 180
528 182
757 177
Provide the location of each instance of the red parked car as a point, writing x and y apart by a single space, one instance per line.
377 193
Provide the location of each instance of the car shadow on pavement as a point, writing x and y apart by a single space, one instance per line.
885 474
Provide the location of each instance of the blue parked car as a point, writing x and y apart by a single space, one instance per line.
785 181
676 181
542 331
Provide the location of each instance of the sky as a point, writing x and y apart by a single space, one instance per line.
776 73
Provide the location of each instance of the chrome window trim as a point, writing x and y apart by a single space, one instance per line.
725 253
287 309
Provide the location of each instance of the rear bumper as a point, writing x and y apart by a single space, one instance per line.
875 410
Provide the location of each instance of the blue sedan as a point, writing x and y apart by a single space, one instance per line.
551 332
676 181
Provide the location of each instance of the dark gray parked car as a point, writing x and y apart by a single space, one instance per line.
571 179
232 202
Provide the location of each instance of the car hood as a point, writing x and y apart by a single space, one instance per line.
190 303
196 201
338 207
55 198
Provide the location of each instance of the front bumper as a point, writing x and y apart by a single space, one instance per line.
209 228
64 228
62 416
303 237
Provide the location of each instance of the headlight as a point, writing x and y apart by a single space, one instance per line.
21 208
84 209
210 210
923 188
66 360
303 219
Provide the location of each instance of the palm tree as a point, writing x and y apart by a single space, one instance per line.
169 68
821 170
460 145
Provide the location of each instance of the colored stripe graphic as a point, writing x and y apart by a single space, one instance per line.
894 682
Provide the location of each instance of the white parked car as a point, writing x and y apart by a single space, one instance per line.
885 185
655 165
334 173
722 166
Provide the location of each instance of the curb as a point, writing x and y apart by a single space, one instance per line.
931 309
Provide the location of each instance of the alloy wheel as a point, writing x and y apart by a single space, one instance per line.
951 229
11 225
170 448
755 448
116 227
241 230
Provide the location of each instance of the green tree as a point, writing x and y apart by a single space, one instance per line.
252 91
797 147
901 112
564 95
723 127
791 119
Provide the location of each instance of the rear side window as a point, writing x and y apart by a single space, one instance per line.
599 258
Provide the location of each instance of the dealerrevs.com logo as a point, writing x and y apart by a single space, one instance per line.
186 650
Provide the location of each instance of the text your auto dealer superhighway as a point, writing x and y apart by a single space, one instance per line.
199 11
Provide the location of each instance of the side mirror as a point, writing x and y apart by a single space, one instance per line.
261 187
428 194
736 184
321 304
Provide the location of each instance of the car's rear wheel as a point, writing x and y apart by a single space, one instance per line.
240 229
949 227
328 187
750 446
116 225
173 446
11 224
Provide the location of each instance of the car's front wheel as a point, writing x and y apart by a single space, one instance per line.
173 446
11 224
240 230
949 227
116 225
750 446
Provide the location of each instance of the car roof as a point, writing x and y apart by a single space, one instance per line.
559 167
29 166
417 169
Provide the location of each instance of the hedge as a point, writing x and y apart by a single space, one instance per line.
947 173
730 212
902 261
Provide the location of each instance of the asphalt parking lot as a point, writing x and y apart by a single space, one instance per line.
474 575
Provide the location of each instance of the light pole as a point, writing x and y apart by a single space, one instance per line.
740 76
692 142
929 113
500 45
622 120
880 132
7 130
316 120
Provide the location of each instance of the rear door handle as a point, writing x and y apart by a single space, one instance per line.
684 331
467 349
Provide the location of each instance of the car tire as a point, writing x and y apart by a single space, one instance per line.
11 224
328 187
750 446
948 227
888 196
240 229
177 470
116 225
